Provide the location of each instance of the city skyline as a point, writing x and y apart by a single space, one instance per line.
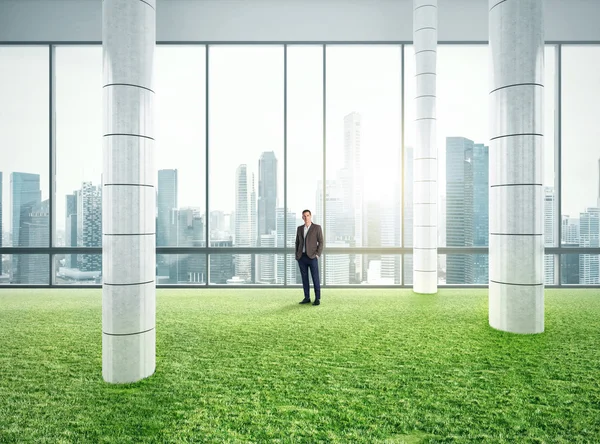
84 219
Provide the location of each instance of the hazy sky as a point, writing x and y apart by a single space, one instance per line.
247 109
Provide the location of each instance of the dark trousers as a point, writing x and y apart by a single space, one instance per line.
305 263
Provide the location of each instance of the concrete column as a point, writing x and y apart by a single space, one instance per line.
129 193
425 151
516 291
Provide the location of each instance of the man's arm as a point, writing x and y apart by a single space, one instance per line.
297 239
320 243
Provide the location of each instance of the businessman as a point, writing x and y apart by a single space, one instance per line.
309 247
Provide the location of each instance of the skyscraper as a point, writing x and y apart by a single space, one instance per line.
242 228
166 202
222 265
253 230
352 181
373 224
267 192
390 270
570 230
336 224
589 236
549 217
71 228
467 209
267 273
187 230
481 190
89 225
266 217
25 195
569 266
459 207
291 241
26 211
34 231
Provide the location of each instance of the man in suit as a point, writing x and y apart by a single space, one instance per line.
309 247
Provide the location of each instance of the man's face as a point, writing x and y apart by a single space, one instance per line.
306 218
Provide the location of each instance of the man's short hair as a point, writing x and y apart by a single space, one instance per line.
307 211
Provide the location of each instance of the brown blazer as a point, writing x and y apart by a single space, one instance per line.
314 241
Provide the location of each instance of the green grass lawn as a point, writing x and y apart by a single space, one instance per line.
253 366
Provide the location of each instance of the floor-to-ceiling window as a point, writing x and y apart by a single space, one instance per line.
245 171
180 159
580 162
325 127
364 163
24 159
78 142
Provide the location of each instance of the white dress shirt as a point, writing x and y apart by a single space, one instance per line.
304 243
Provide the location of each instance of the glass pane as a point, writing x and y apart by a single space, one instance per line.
268 268
182 269
463 269
222 267
24 148
384 269
293 271
180 145
246 145
304 137
180 151
569 268
580 269
337 268
78 156
550 261
364 165
466 269
580 161
78 269
408 269
28 269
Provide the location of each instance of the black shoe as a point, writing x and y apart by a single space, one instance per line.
317 302
305 301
